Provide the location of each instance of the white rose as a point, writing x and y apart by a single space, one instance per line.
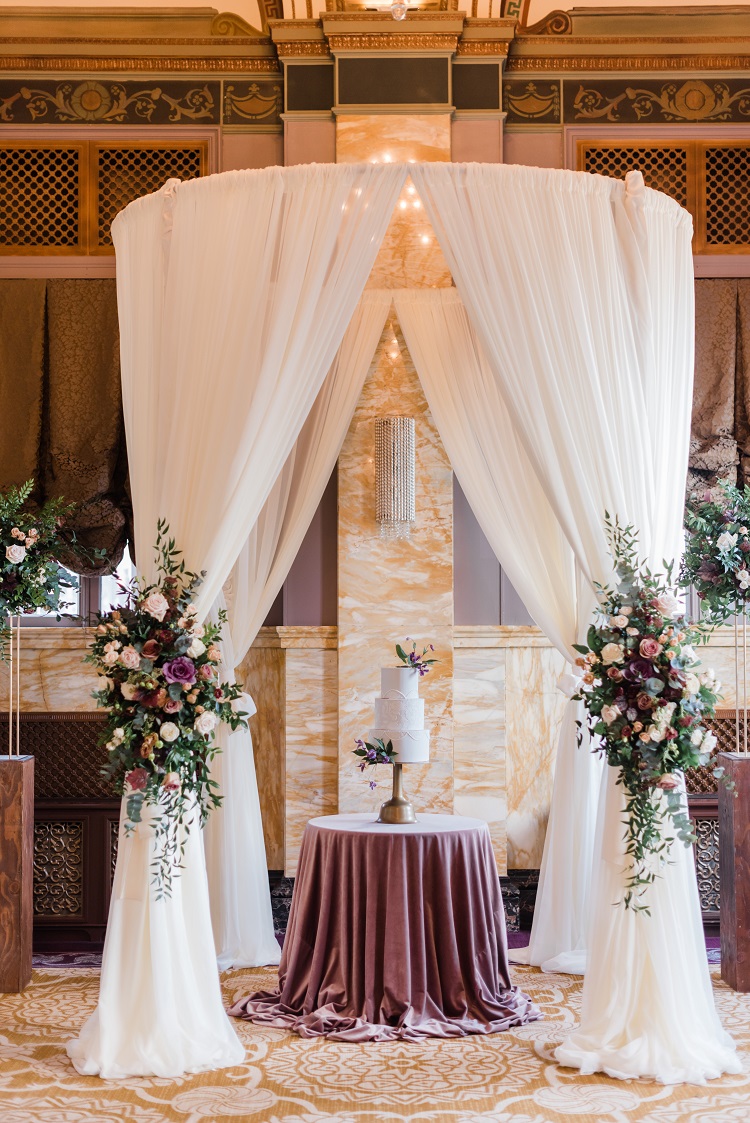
198 630
15 553
128 691
692 684
663 715
709 742
655 733
687 653
612 653
668 605
696 737
169 731
196 649
632 631
205 723
119 735
619 621
610 714
156 605
192 610
726 542
743 579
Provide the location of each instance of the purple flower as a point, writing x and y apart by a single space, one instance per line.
180 670
373 785
638 669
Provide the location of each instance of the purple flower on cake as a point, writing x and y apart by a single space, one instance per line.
180 670
412 659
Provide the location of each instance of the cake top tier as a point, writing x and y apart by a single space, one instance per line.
399 682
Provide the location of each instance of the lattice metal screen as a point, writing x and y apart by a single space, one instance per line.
727 195
62 198
124 173
665 167
711 180
40 197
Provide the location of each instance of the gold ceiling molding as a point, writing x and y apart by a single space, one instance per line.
555 23
333 18
479 47
380 42
303 48
227 23
522 63
138 65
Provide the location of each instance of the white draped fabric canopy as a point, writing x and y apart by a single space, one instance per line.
559 375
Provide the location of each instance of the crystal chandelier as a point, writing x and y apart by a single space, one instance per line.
395 508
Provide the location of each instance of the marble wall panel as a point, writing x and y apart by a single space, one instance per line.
263 676
479 741
311 758
393 588
534 709
53 674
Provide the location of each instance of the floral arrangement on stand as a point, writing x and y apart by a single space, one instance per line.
159 680
645 702
717 552
30 577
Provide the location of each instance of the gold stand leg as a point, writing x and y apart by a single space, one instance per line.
398 808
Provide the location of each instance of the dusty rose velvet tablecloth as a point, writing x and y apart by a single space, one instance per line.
394 932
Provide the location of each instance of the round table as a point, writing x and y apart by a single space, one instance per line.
394 932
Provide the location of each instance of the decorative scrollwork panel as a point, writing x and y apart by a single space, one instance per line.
58 868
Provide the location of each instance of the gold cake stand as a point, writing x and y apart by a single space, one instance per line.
397 809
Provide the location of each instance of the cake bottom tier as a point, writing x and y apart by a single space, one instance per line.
412 746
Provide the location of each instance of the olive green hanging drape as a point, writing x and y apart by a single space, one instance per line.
61 407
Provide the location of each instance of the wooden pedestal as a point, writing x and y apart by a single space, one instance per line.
734 859
16 871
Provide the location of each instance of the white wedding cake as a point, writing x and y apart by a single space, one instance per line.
399 715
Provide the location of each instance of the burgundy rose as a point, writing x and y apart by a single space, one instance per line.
180 670
644 701
638 669
151 649
685 721
626 732
745 547
164 636
137 779
670 733
154 699
708 571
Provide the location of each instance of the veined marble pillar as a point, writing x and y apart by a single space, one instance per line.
390 589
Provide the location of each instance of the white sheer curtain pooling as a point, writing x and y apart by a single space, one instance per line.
234 829
513 510
254 278
554 270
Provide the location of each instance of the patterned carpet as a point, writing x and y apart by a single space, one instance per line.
505 1078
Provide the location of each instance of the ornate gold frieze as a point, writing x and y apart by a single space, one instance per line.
481 47
694 100
392 42
304 48
151 64
531 102
227 23
691 63
107 103
254 102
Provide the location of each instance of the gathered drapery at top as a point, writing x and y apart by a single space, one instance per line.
221 369
579 289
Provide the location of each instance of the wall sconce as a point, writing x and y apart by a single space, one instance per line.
395 508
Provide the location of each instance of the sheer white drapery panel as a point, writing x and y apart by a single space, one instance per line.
272 546
265 271
239 891
555 271
513 510
160 1010
235 292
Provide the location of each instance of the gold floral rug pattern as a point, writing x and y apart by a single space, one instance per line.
503 1078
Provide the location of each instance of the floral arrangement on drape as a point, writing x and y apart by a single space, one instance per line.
717 552
646 702
159 680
